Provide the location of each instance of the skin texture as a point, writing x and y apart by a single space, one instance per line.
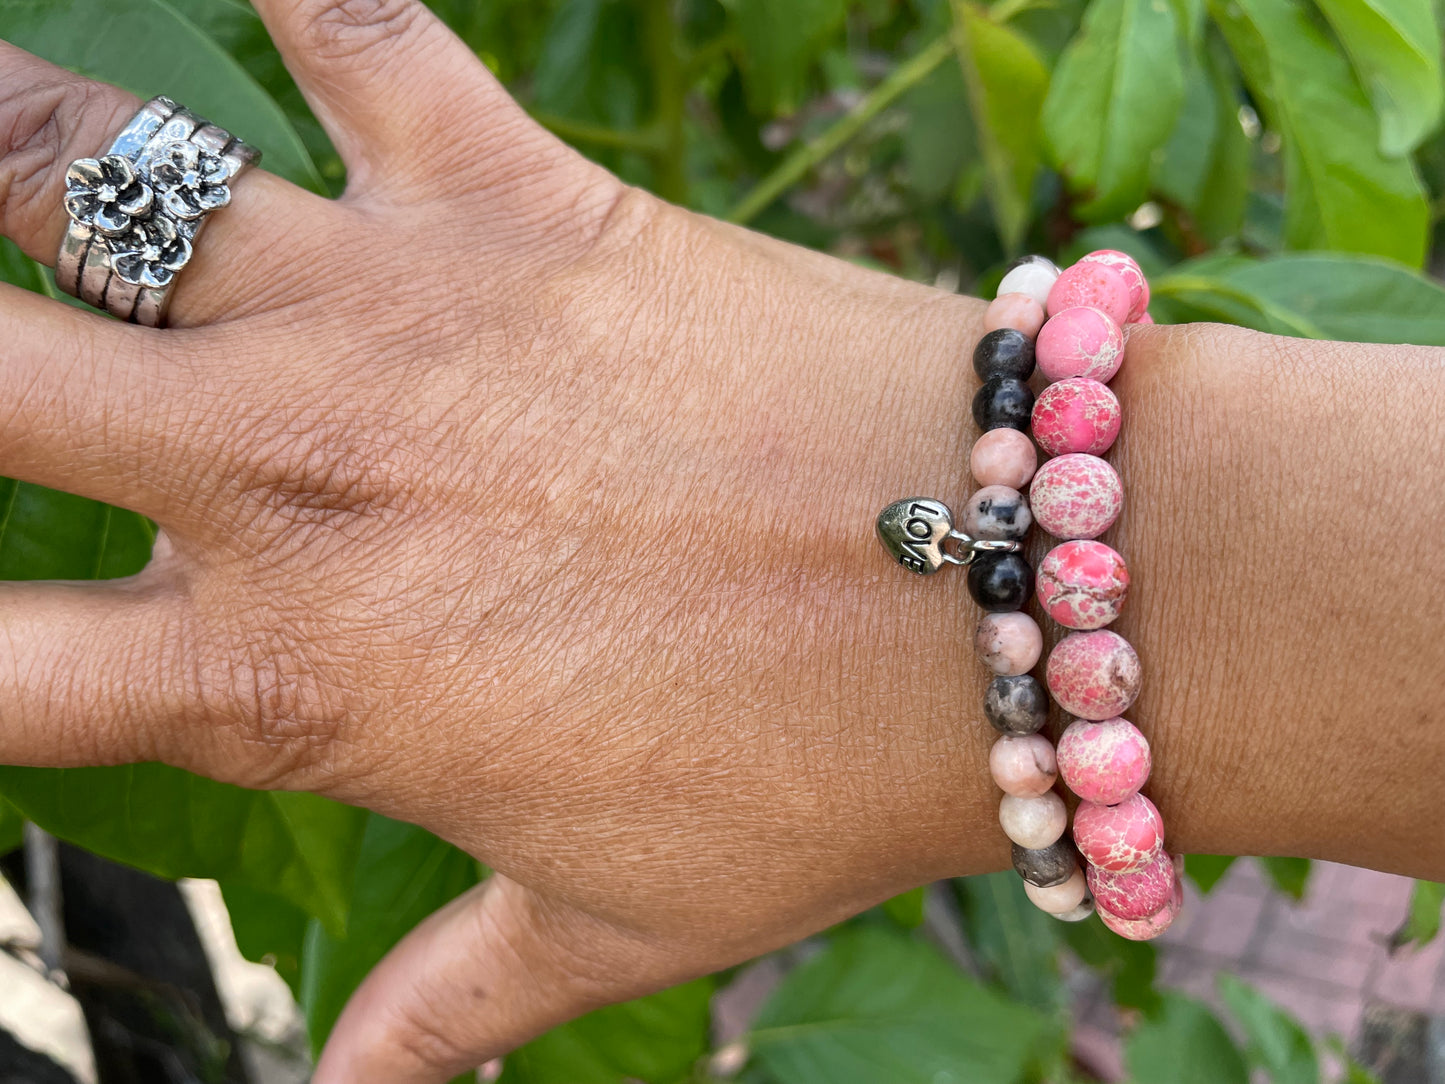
565 550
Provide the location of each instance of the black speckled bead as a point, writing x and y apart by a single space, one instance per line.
1000 582
1016 705
1047 866
1004 402
1005 352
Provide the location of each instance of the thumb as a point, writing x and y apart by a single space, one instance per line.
492 969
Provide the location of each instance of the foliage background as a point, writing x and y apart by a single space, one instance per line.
1274 163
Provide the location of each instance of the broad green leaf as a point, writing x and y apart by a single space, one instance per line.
402 874
906 908
1395 48
939 140
1290 875
267 930
1183 1043
1006 83
12 827
1422 924
1113 101
1318 295
779 41
878 1005
1274 1040
1341 192
1207 870
174 824
656 1039
1130 964
1017 940
148 47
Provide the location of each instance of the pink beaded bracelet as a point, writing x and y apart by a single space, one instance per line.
1070 326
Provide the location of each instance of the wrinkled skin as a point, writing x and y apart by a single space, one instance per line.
508 500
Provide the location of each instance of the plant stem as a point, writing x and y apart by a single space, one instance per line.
796 166
645 141
669 86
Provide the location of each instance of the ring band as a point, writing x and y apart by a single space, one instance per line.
136 212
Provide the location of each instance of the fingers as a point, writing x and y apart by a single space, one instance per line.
480 977
399 93
88 673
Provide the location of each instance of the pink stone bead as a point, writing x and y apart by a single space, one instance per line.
1139 894
1119 838
1008 643
1097 285
1023 765
1082 584
1076 496
1076 414
1146 929
1144 318
1059 899
1103 761
1018 311
1125 264
1094 675
1080 341
1003 457
1033 822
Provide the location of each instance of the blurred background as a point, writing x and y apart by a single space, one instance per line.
1272 163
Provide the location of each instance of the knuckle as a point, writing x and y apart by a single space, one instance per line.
344 29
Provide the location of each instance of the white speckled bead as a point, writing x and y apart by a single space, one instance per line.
1032 275
1033 822
1023 765
1059 899
1008 643
1079 913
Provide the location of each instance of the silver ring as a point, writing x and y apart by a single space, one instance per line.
136 211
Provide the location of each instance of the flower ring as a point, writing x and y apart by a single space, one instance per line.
106 194
151 253
191 181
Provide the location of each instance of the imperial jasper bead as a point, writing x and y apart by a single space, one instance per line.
1076 414
1094 675
1119 838
999 513
1003 457
1033 822
1032 275
1080 341
1097 285
1003 401
1059 899
1046 866
1000 582
1076 496
1018 311
1005 352
1008 643
1016 705
1023 766
1082 584
1103 761
1146 929
1125 264
1139 894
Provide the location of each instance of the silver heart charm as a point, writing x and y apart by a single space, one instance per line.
914 531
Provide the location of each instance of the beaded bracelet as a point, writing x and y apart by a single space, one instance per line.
1093 673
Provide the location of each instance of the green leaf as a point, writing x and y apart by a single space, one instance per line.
1422 924
779 41
1017 940
656 1039
1114 99
402 874
149 48
1341 192
174 824
906 908
1290 875
1395 48
1317 295
1006 83
1207 870
1275 1041
267 929
939 139
1183 1043
12 827
877 1005
1131 964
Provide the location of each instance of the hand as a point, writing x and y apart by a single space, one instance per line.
504 499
